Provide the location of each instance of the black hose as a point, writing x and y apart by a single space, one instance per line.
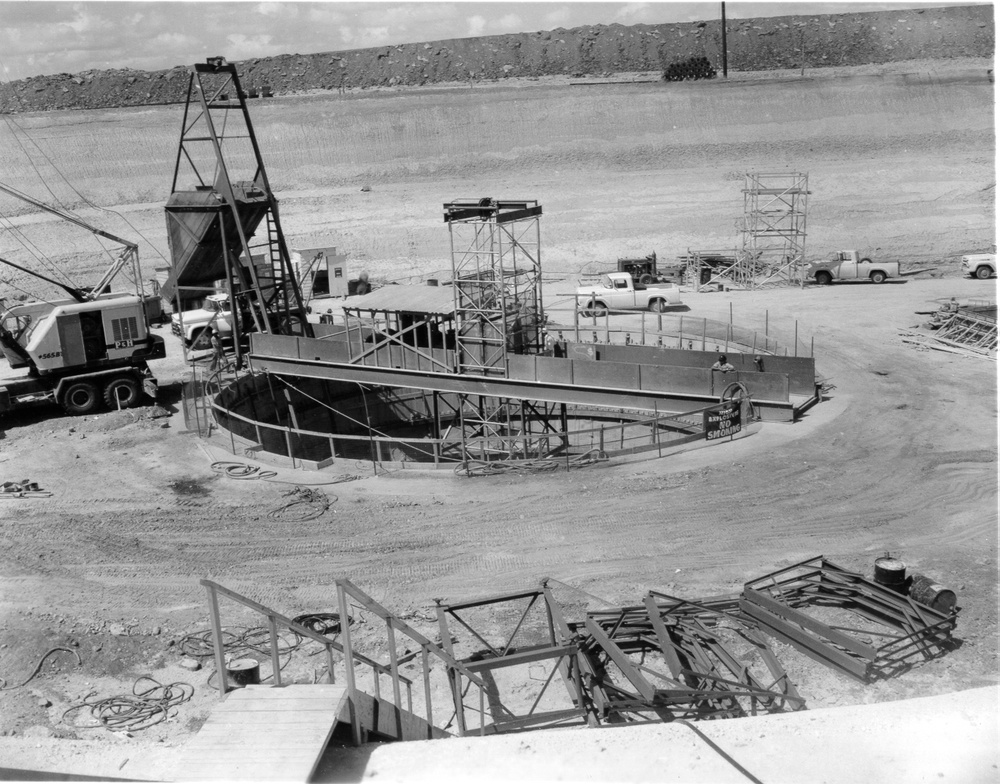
5 687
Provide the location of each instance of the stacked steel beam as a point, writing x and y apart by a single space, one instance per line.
800 605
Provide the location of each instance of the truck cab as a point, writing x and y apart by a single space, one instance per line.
195 327
845 265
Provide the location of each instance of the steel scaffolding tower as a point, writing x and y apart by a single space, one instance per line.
774 230
497 283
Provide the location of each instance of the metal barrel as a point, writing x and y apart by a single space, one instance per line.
926 591
890 572
243 672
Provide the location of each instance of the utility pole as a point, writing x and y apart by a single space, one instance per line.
725 52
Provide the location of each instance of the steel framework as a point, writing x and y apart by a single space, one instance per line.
833 615
497 284
773 234
211 227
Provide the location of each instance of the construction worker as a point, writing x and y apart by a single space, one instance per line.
218 353
723 365
363 286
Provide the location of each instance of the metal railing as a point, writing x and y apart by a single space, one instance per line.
352 660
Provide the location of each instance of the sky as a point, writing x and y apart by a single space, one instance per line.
42 37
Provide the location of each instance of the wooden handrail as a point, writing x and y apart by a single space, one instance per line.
299 628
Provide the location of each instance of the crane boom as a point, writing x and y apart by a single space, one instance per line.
130 253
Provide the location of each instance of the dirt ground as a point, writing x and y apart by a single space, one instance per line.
901 457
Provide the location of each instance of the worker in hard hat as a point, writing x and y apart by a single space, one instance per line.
723 365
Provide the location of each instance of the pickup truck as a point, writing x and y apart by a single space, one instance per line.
845 265
618 291
980 265
195 327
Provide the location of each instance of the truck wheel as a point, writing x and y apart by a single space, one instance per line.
598 309
122 392
645 279
824 278
878 276
658 305
983 272
865 261
201 339
80 398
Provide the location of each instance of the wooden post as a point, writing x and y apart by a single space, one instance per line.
725 51
394 669
220 656
704 332
275 659
796 337
425 669
352 693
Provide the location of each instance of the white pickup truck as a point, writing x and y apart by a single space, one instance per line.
195 327
845 265
980 265
618 291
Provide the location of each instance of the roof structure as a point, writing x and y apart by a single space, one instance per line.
436 300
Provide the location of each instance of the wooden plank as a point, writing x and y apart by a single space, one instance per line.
264 734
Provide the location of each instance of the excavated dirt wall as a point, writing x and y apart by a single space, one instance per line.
754 45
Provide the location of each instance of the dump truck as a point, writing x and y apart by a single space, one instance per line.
618 291
845 265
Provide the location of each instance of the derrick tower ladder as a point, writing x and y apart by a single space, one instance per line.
774 230
497 284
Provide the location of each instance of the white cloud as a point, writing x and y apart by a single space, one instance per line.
632 13
510 22
475 25
250 45
284 10
557 18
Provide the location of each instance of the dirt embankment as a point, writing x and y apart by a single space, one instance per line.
815 41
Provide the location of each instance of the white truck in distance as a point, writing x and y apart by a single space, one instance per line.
618 291
980 265
195 327
845 265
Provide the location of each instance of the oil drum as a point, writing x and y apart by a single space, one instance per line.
937 597
890 572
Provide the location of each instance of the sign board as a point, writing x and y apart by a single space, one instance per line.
723 422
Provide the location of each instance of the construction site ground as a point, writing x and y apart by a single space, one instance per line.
900 457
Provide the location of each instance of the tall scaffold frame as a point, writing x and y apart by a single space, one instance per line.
497 284
772 253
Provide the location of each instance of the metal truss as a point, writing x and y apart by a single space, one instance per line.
496 272
832 615
217 136
501 428
537 640
674 659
